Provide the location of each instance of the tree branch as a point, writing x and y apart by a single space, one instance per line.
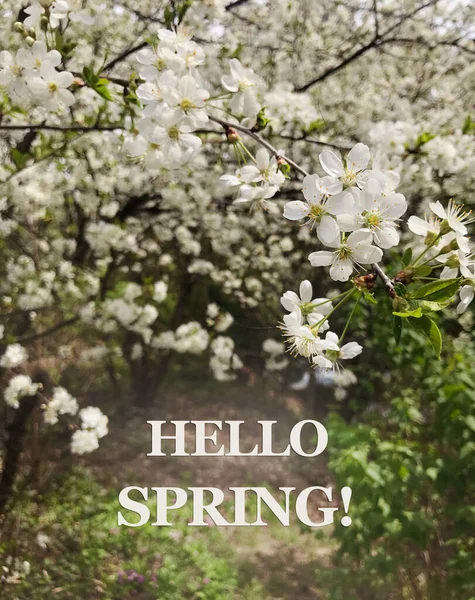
376 41
51 330
387 282
229 126
124 55
45 127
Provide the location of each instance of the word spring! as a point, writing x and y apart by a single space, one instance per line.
206 501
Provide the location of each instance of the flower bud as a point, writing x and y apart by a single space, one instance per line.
29 40
453 262
44 22
19 27
405 277
232 135
32 32
453 245
365 282
430 238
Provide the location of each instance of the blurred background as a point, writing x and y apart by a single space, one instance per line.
153 297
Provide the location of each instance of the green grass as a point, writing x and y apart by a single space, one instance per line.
89 557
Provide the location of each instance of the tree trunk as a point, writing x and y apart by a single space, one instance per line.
14 447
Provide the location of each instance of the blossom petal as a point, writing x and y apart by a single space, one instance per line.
418 226
358 158
331 163
328 231
306 291
438 209
341 269
296 210
323 258
310 189
393 206
342 203
350 350
387 237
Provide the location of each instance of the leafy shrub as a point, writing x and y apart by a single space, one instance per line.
412 470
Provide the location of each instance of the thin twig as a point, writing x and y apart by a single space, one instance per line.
387 282
227 126
45 127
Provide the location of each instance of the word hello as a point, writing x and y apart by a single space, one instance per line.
234 428
207 500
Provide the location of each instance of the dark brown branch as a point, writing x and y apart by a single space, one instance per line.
36 336
44 127
124 55
236 4
376 41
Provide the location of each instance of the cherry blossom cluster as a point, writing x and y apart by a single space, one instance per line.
447 245
173 102
354 210
307 319
31 77
93 422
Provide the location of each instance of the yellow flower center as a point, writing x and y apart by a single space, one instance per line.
187 105
317 212
344 252
372 219
174 133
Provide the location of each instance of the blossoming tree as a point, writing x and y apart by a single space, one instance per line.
166 166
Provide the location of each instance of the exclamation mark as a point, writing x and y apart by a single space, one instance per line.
346 497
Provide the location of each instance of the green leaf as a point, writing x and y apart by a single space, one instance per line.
406 257
417 313
397 328
437 291
430 330
468 125
369 297
315 126
470 421
422 271
262 121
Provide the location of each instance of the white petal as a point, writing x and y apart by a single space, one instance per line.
310 190
418 226
66 97
331 163
438 209
448 273
387 237
359 237
393 206
330 185
366 254
341 269
342 203
296 210
348 223
306 291
358 158
371 195
328 231
262 159
322 362
350 350
290 301
64 79
323 258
